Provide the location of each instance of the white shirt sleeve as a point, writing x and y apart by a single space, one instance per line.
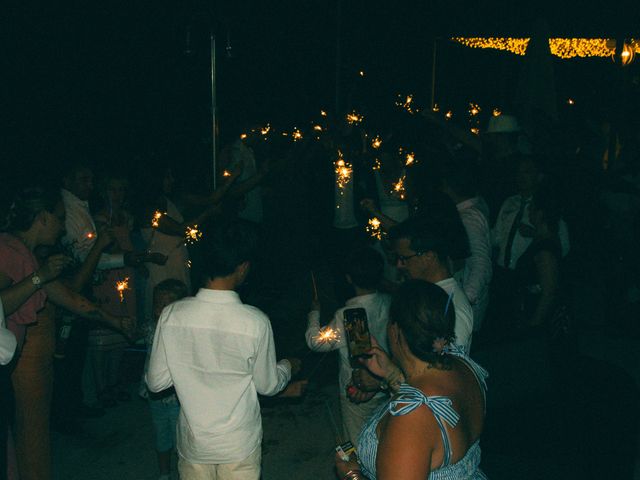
7 340
269 377
478 269
313 329
158 377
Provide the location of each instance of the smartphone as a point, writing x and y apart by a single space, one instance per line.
356 327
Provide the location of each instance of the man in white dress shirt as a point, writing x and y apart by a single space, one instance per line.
421 254
459 182
219 355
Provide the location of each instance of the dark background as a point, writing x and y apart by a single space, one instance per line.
110 81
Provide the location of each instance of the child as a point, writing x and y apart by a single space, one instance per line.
165 407
364 271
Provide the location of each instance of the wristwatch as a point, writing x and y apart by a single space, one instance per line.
36 280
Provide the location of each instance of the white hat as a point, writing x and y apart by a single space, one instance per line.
503 124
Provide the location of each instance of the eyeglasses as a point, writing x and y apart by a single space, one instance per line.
403 259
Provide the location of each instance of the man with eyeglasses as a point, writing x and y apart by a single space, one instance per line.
421 253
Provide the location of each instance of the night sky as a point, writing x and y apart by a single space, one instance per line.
111 80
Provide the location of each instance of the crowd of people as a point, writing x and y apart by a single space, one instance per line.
475 244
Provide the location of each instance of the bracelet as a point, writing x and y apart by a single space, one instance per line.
353 475
393 380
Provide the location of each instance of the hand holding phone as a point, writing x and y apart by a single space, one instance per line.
356 328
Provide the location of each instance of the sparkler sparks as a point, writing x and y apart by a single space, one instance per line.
243 136
296 134
90 235
475 130
374 228
343 171
192 234
226 173
435 108
265 130
474 109
354 118
376 142
496 112
317 128
399 188
377 164
409 159
155 220
327 335
121 286
449 115
323 113
406 103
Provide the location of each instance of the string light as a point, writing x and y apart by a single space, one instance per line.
560 47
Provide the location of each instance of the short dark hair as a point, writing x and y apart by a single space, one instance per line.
418 308
27 204
365 266
228 246
423 235
173 287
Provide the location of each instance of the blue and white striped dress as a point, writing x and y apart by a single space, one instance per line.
407 400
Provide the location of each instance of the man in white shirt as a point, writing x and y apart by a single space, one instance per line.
475 273
513 232
219 355
421 253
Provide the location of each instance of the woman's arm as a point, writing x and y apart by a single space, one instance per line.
548 276
87 268
63 296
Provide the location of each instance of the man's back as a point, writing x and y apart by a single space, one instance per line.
218 353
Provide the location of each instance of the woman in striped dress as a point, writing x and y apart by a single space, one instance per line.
432 425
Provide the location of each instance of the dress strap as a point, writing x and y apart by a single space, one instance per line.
410 398
480 373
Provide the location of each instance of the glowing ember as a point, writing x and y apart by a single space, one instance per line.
193 234
399 188
155 220
354 118
121 286
496 112
374 228
409 159
474 109
343 171
327 335
376 142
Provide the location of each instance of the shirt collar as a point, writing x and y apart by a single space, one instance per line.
218 296
69 198
360 299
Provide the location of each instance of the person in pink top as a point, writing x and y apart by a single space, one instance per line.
36 219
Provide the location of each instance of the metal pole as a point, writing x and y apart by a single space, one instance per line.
214 113
338 54
433 74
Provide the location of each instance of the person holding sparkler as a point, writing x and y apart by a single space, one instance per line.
219 355
432 425
364 269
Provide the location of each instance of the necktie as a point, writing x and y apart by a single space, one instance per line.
512 233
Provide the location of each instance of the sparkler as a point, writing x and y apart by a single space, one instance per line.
317 128
192 235
121 286
475 130
570 101
323 113
376 142
296 134
327 335
374 228
243 136
377 164
399 188
155 220
474 109
410 159
449 115
265 130
436 108
496 112
354 118
90 235
226 173
361 73
406 103
343 171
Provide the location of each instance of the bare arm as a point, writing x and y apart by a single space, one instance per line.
82 276
547 269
